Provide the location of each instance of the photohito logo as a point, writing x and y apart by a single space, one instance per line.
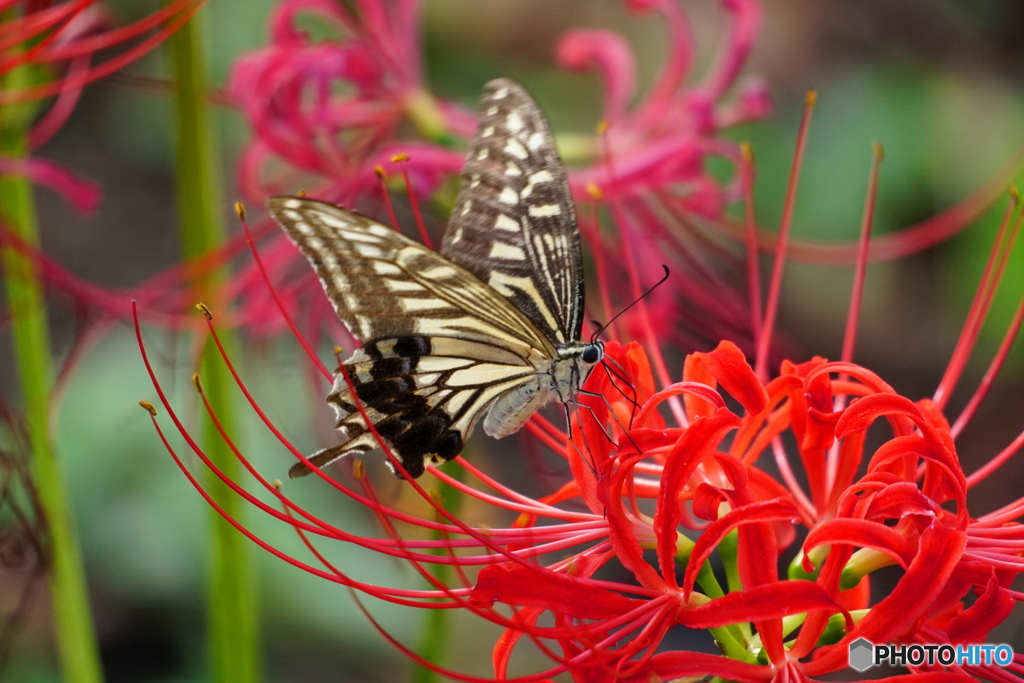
864 654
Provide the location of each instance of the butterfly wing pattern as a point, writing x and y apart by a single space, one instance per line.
487 328
514 225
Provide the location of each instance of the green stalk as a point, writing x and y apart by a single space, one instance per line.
437 627
233 633
76 638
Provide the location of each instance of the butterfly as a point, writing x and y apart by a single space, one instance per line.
486 328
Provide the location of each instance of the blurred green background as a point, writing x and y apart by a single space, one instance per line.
937 82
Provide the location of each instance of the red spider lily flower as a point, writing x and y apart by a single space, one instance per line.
755 506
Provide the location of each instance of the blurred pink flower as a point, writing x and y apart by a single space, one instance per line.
53 49
331 110
329 113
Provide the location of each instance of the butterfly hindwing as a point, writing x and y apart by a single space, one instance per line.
422 394
514 225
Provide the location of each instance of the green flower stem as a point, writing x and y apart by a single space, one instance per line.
734 639
437 627
76 638
233 632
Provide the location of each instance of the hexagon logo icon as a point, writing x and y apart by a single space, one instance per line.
861 654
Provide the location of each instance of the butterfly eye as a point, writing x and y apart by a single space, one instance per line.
591 354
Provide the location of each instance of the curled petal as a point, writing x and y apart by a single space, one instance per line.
694 394
745 21
729 366
694 370
819 431
696 443
780 509
899 500
706 501
611 56
991 608
865 411
862 534
944 480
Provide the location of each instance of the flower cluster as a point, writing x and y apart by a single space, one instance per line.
331 107
757 508
327 112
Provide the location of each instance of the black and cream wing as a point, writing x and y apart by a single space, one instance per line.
383 284
439 346
514 225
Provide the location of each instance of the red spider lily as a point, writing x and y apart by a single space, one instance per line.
700 491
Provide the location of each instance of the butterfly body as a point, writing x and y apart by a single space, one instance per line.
559 380
486 329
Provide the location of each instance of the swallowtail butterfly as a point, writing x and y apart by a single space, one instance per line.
486 328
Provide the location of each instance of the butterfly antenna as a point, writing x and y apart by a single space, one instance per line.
601 328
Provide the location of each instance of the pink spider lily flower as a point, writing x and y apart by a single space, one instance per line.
328 114
330 111
663 143
53 50
752 505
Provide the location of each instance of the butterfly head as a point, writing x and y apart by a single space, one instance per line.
573 366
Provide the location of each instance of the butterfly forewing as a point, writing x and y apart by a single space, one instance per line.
383 284
489 325
440 345
514 225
